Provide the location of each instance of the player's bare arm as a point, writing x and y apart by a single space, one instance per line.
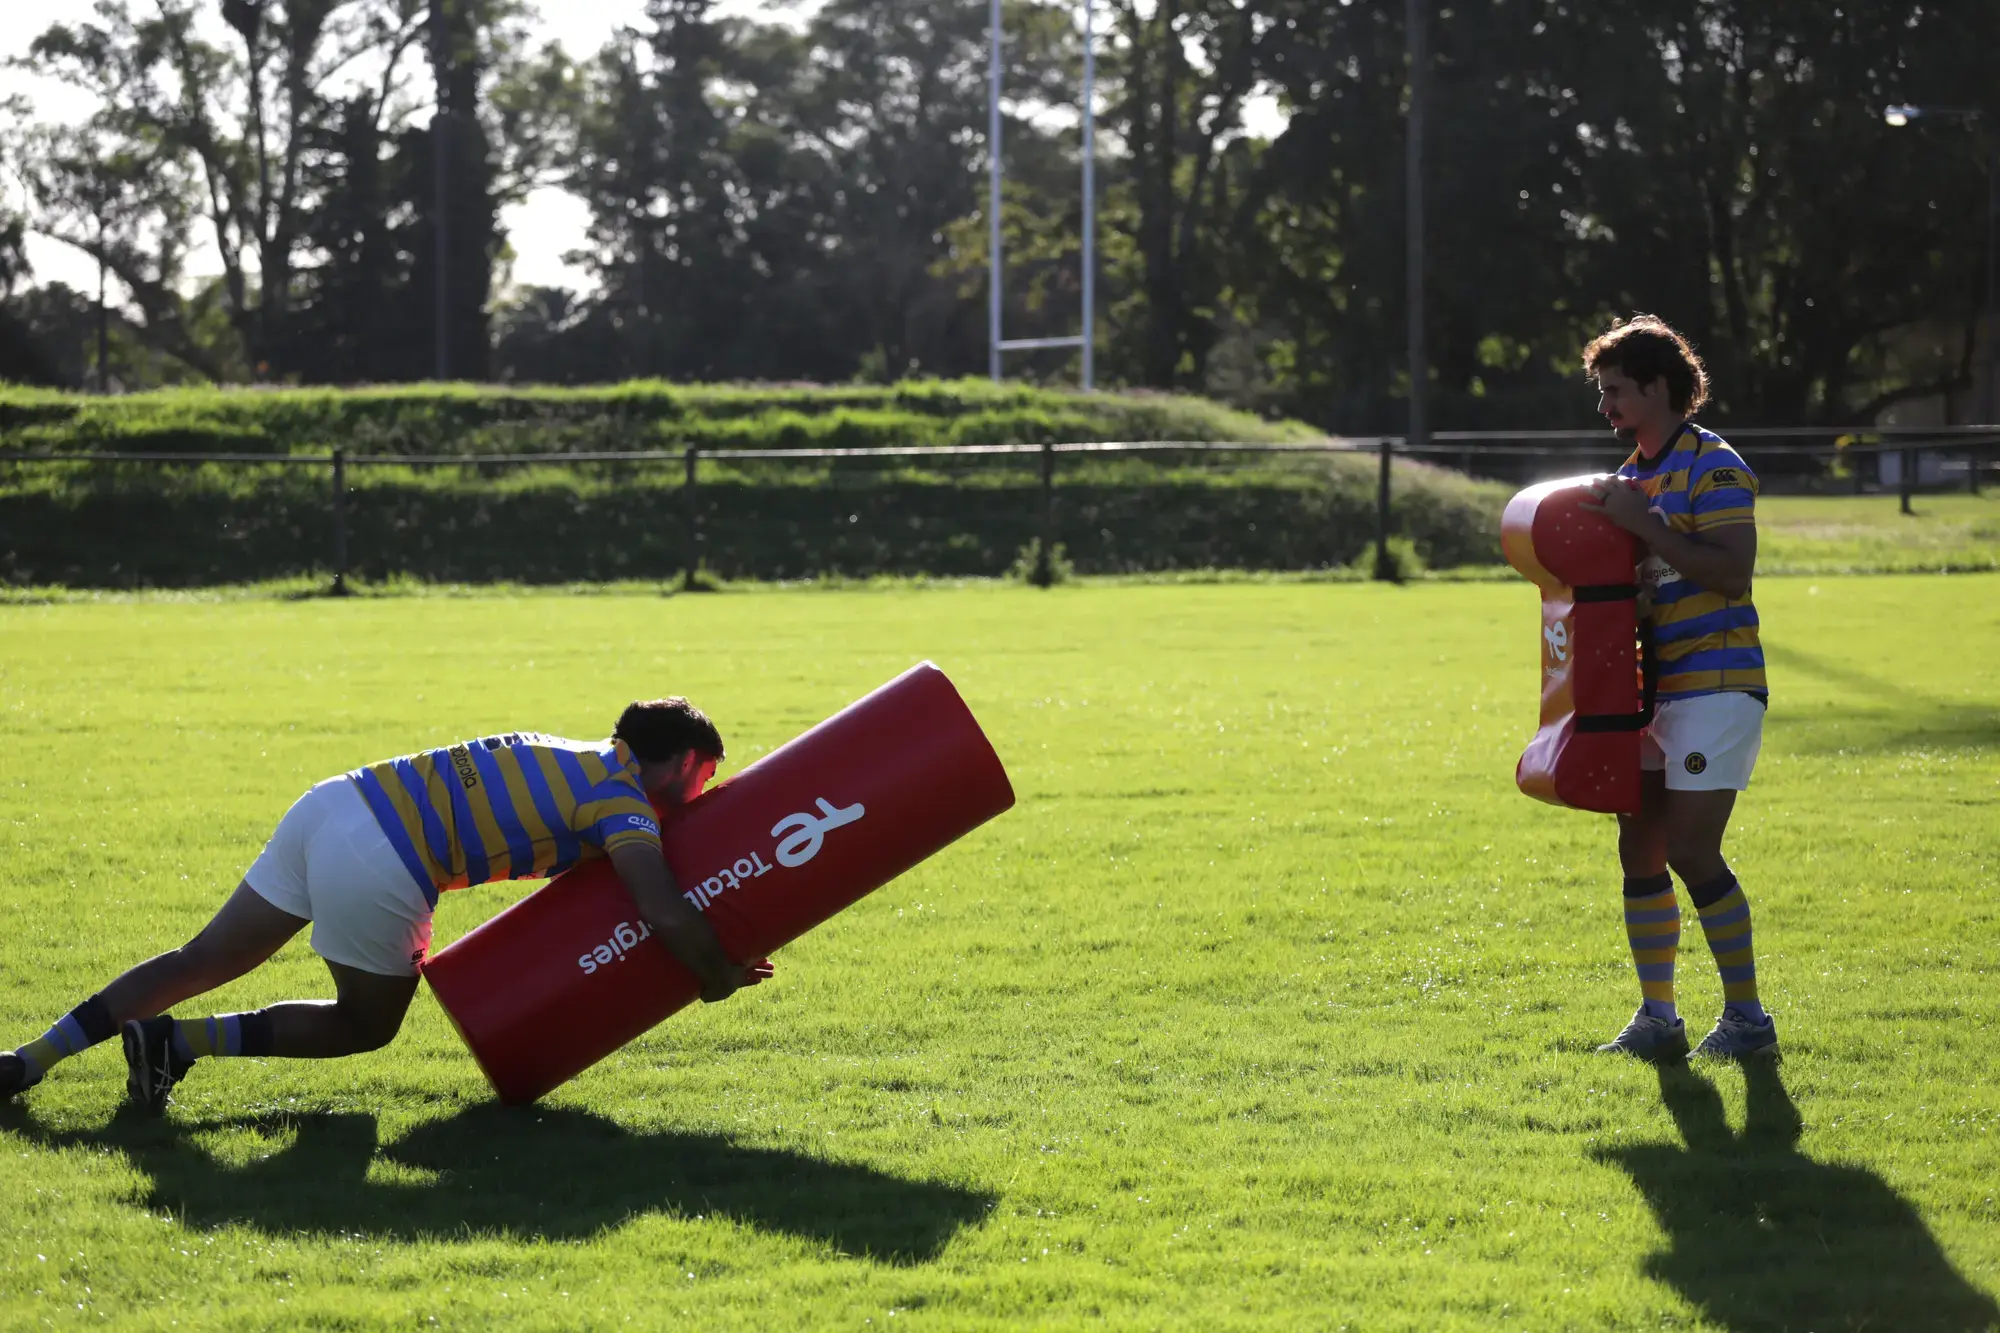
676 923
1721 560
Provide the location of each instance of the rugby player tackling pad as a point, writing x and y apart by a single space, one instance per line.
570 974
1596 698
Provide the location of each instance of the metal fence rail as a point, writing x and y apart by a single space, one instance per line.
1506 455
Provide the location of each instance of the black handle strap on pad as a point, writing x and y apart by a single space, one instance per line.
1649 664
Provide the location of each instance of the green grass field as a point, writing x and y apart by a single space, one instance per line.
1270 1005
1836 534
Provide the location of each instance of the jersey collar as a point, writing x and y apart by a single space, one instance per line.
1644 466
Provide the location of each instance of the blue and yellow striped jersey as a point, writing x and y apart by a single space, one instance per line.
519 806
1707 642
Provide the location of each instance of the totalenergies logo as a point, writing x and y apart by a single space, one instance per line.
802 834
623 940
800 837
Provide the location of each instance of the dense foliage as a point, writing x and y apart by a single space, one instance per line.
774 201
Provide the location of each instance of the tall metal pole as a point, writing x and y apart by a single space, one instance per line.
441 191
1992 275
993 303
1413 173
1089 195
1414 19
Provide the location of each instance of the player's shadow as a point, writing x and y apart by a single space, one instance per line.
533 1172
1764 1237
1880 716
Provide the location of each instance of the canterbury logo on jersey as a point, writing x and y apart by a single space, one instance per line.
1725 476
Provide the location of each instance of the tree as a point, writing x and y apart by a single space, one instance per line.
1750 174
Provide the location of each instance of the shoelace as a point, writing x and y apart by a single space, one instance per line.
1645 1022
159 1075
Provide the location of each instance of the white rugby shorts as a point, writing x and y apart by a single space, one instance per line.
330 863
1707 743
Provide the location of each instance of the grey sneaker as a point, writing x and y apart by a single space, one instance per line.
151 1067
1735 1037
1647 1037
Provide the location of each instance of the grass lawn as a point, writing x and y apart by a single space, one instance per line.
1837 534
1270 1005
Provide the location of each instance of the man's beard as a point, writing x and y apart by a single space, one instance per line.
1629 434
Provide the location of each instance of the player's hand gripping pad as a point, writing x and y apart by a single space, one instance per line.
570 973
1594 698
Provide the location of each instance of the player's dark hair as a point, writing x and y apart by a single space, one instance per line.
657 729
1645 348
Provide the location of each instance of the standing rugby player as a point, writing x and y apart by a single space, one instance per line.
362 858
1691 499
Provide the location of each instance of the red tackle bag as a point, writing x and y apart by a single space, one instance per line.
1596 684
570 974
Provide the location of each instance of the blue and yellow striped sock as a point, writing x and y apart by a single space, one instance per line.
1725 919
224 1034
1653 928
78 1030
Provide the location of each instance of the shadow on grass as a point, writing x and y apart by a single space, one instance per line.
531 1172
1895 719
1764 1237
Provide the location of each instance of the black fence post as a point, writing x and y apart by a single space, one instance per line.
692 499
1384 569
1972 457
1908 479
1045 567
340 588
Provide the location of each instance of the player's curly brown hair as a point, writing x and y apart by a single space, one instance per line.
1644 348
657 729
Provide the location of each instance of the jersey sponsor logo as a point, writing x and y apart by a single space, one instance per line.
1725 476
642 823
1557 638
1696 762
461 759
1655 573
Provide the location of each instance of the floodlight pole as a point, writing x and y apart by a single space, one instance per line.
1090 196
1413 184
441 56
995 172
1414 19
1992 285
1901 115
996 341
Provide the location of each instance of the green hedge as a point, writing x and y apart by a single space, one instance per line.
190 527
466 419
152 525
